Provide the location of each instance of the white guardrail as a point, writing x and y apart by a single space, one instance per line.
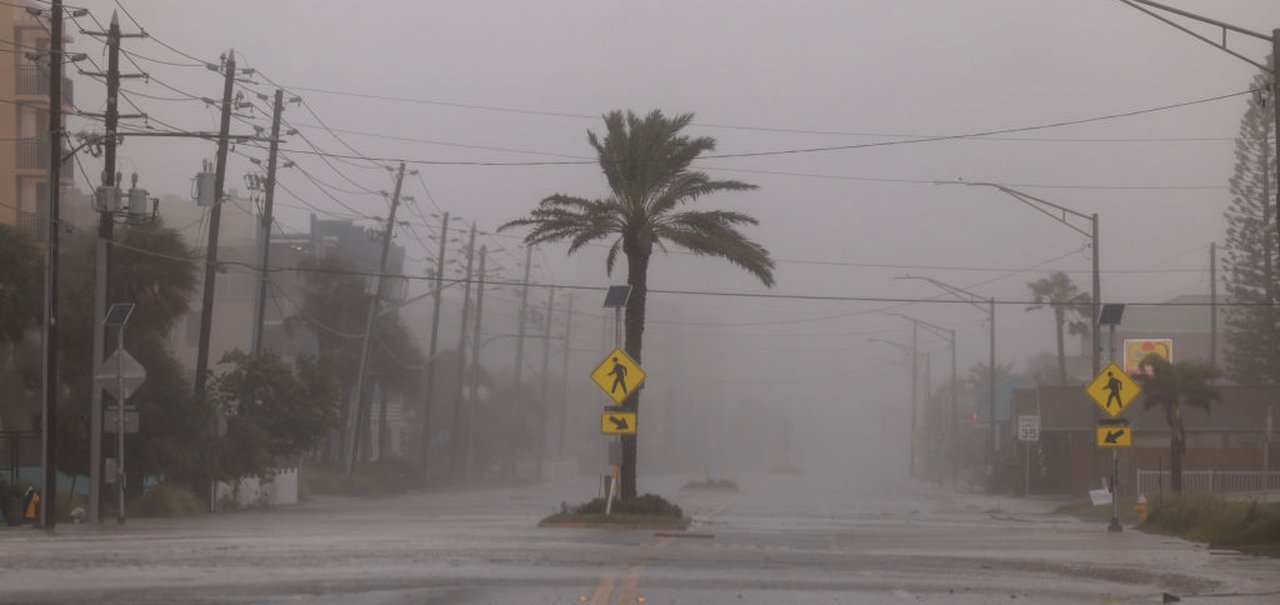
1217 482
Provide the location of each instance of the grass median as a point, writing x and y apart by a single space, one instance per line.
1247 526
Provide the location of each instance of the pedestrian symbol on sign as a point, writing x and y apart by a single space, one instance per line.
1114 386
619 373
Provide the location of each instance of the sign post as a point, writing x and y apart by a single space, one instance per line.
618 375
1028 433
1113 390
118 317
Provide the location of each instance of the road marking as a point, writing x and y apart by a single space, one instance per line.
626 594
604 589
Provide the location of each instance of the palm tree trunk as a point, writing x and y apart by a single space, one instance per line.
1176 447
1060 318
638 279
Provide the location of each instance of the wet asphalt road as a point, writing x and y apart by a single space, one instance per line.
782 539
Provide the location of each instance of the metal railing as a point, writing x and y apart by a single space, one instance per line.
33 153
29 224
1215 482
34 81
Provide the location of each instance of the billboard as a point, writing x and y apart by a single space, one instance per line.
1136 349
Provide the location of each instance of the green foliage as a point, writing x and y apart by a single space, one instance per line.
152 267
275 413
719 485
647 504
1251 256
168 500
1071 310
647 163
1171 386
21 283
1220 523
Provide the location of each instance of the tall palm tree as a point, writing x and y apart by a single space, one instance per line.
1171 386
647 164
1071 310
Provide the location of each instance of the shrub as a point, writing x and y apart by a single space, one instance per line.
1219 522
648 504
168 500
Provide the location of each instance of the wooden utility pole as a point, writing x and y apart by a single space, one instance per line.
215 220
428 397
519 369
454 467
264 277
464 429
102 250
49 499
356 408
564 378
546 375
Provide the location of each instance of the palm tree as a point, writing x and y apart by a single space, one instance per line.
1071 310
646 162
1171 386
21 276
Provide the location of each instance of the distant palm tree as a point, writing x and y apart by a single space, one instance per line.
1171 386
646 162
1071 310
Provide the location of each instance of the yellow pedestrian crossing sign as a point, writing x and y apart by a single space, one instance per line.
1112 390
618 375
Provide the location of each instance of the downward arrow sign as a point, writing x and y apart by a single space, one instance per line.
1112 436
618 423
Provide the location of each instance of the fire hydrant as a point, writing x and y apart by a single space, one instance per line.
1140 508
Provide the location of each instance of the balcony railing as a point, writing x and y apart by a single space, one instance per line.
34 81
33 154
29 224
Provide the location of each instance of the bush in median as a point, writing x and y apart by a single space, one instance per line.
648 504
168 500
1250 526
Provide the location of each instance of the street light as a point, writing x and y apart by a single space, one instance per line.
949 335
990 308
1061 214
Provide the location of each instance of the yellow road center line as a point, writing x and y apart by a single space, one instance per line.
604 589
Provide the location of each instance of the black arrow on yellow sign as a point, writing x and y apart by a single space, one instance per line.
619 423
1113 436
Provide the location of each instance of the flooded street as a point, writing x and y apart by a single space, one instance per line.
782 539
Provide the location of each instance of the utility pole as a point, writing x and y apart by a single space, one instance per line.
564 377
519 369
428 398
102 250
264 231
454 437
354 411
215 221
952 449
991 402
1213 304
546 369
460 458
49 499
915 387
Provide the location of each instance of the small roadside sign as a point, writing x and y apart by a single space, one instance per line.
618 423
111 420
618 375
1114 434
134 374
1112 390
1028 428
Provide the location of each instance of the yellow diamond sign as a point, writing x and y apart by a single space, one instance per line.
1112 390
618 375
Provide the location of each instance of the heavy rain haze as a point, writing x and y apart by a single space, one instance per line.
859 123
510 82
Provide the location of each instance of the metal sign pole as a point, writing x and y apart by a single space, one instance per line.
120 397
1114 526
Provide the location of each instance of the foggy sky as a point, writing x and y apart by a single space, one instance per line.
915 67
